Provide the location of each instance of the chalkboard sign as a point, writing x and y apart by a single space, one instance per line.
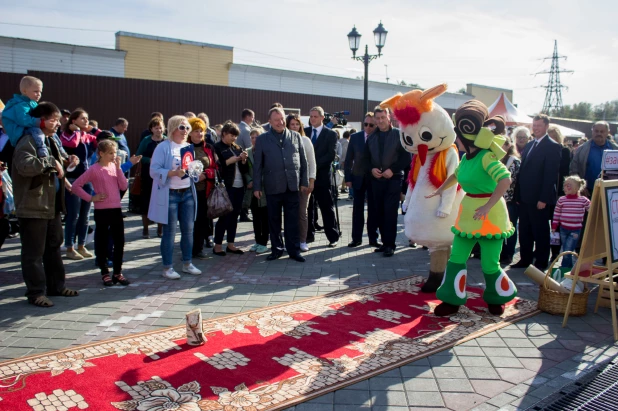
610 160
611 197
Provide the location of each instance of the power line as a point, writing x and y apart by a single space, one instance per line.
54 27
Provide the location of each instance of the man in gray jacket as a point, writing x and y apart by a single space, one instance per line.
38 185
280 163
587 159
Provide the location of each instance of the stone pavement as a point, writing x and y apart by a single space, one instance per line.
509 369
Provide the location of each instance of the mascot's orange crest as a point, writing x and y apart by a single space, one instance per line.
409 107
426 128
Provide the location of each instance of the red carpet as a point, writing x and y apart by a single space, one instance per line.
265 359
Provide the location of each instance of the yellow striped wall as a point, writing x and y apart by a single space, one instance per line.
167 61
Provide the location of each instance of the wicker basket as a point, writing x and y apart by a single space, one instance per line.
555 302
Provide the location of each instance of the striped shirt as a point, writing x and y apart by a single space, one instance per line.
569 212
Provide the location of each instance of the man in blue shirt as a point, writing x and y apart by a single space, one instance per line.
587 159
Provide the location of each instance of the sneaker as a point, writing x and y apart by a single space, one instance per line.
84 253
74 255
254 247
169 273
304 247
191 269
261 249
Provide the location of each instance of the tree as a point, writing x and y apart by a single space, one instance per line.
586 111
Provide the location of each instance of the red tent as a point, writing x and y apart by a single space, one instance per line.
503 107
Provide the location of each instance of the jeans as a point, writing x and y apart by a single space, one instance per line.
182 208
77 217
109 221
200 226
569 239
508 250
39 141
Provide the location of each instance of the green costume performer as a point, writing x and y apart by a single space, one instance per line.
479 221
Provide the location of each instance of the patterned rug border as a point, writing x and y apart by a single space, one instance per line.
291 402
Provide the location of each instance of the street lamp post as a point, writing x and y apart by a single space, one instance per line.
354 40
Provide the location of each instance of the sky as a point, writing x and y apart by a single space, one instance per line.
494 43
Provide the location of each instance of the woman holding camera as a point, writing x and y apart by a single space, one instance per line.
234 168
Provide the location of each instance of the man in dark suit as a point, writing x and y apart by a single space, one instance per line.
280 164
386 159
325 145
536 191
356 177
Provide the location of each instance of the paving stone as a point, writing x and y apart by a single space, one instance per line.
552 373
454 385
323 399
498 352
484 407
482 373
504 333
443 361
413 371
543 391
515 375
361 385
518 343
524 403
353 397
420 384
462 401
424 399
313 407
490 388
468 351
501 399
449 372
520 390
506 362
527 353
388 398
537 364
385 384
557 354
491 342
474 361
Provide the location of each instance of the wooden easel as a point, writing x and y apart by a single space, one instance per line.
600 241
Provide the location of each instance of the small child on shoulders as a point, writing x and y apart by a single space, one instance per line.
569 215
16 116
108 180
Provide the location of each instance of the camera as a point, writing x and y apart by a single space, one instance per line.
339 116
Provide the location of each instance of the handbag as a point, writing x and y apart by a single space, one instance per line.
218 202
136 188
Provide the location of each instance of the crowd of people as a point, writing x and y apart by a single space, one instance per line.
61 162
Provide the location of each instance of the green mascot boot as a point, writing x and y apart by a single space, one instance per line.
499 290
452 291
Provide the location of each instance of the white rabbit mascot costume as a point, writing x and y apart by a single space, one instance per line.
428 133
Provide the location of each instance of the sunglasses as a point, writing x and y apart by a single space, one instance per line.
182 127
369 125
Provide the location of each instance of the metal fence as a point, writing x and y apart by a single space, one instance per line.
107 98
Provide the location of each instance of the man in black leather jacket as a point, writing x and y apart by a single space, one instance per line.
386 159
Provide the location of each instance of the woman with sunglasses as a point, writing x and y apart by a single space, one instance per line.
173 196
294 123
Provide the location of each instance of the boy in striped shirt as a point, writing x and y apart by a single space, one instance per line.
569 215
